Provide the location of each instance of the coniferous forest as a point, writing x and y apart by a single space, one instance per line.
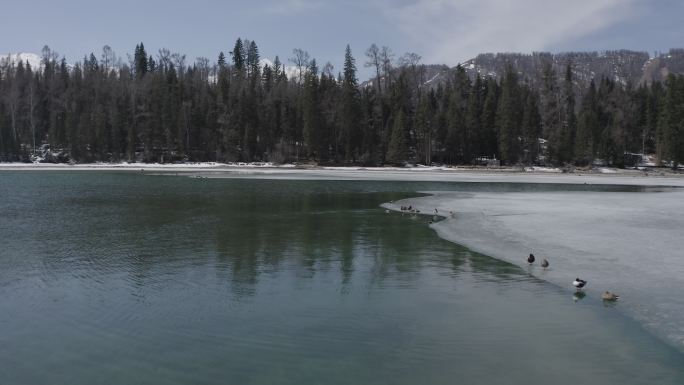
158 108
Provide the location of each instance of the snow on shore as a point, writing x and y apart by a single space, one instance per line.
629 243
417 174
138 166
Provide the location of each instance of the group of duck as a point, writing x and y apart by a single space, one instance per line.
409 209
578 283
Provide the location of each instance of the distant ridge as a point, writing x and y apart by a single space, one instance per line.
24 57
621 66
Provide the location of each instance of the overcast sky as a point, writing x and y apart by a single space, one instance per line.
441 31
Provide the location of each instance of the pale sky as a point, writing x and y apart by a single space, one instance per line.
441 31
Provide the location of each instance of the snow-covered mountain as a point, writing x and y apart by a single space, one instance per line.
14 59
621 66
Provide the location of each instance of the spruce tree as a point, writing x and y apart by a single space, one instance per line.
311 111
473 120
252 61
566 139
238 54
490 148
140 61
550 109
508 117
397 152
350 108
587 124
221 60
531 129
671 122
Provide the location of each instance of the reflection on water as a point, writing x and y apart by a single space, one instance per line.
118 278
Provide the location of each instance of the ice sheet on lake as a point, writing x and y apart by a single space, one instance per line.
629 243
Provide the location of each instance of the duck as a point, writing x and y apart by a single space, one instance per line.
608 296
530 259
579 283
545 263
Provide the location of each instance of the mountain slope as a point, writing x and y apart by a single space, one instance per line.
14 58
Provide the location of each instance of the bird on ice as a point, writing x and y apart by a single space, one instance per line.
579 283
545 263
530 259
608 296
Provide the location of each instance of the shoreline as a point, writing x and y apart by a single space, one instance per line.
577 232
421 174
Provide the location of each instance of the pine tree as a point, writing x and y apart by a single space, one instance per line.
457 144
473 120
238 54
550 110
140 60
671 122
350 109
508 117
566 139
397 152
424 122
587 125
221 60
312 117
531 129
252 61
490 146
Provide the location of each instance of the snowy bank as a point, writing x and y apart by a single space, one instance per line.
189 166
626 242
417 174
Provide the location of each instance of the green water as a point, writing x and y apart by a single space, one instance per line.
121 278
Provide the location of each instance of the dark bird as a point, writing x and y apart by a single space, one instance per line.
579 283
545 263
530 259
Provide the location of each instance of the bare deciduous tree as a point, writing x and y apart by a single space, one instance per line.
386 57
374 60
301 60
108 59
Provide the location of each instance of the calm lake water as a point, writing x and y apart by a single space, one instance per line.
123 278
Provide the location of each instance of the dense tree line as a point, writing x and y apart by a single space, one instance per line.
158 108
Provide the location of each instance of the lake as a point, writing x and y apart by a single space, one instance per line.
125 278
